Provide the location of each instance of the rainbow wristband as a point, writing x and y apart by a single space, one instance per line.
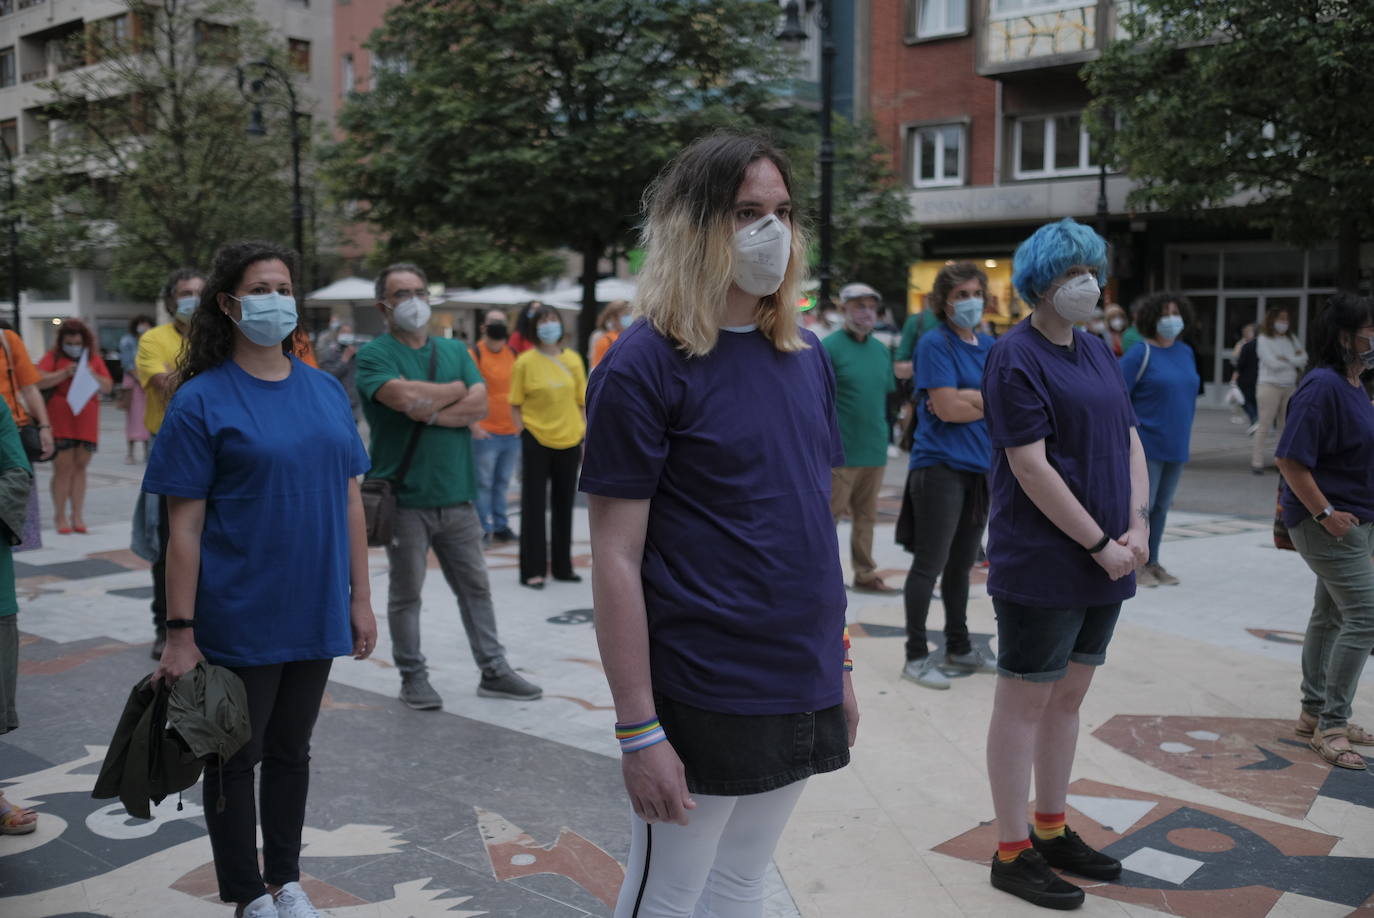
634 737
848 665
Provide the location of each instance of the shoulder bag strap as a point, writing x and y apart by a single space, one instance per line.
1144 363
419 428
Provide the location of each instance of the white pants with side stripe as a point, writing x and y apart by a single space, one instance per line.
714 866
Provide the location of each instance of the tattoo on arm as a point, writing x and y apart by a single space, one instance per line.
1143 512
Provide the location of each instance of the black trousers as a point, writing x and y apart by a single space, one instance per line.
283 702
164 535
951 507
551 471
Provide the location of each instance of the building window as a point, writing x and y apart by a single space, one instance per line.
1007 9
298 52
348 78
936 154
1052 145
9 133
934 18
7 72
217 43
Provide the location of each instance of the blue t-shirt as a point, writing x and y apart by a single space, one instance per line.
944 360
741 570
1164 397
1330 429
1074 400
272 461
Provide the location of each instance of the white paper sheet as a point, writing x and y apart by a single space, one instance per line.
83 385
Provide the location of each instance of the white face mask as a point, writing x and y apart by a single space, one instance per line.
1280 328
1076 299
762 250
412 315
1116 323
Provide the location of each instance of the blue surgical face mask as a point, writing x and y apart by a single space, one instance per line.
968 313
1169 327
185 306
627 320
549 332
73 351
267 317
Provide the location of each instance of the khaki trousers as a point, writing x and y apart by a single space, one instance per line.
855 488
1273 407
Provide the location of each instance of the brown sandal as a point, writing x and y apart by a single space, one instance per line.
1321 745
1306 727
1358 735
13 819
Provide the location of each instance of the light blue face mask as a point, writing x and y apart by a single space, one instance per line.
549 332
267 317
1169 327
968 313
185 306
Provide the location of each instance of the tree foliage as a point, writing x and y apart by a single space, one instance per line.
467 256
541 122
148 165
1262 104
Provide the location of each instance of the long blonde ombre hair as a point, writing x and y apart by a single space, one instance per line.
688 240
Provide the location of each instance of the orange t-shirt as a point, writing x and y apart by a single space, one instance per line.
25 374
496 368
603 344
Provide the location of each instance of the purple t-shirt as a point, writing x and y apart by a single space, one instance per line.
1074 400
741 570
1330 429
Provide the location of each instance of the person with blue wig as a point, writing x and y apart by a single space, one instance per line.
1068 526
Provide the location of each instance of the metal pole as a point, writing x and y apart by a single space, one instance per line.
1102 199
14 235
827 157
297 210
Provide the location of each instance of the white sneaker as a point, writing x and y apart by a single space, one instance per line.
925 672
976 661
261 907
292 902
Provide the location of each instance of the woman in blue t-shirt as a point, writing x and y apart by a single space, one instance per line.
1326 455
267 561
947 481
1161 375
716 577
1069 523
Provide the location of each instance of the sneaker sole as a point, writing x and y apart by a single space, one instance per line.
510 696
423 706
936 686
1062 901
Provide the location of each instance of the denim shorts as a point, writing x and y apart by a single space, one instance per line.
732 755
1036 644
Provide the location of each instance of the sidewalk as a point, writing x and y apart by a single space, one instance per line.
1186 769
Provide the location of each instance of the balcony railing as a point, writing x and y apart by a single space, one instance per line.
1041 34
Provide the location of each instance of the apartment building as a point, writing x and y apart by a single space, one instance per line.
981 104
35 46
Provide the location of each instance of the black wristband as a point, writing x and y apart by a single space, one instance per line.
174 623
1102 543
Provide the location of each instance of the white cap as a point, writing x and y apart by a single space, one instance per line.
854 291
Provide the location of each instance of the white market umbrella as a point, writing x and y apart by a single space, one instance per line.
347 290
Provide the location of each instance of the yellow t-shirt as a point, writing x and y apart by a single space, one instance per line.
550 394
159 351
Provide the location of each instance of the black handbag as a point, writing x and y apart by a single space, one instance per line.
379 494
29 434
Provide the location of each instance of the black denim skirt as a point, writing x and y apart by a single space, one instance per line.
732 755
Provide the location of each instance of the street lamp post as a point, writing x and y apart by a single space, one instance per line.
13 232
1102 209
793 35
252 89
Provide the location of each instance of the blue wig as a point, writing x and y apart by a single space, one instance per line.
1050 251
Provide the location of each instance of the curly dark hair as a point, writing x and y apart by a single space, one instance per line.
210 341
951 276
71 327
1149 309
1330 332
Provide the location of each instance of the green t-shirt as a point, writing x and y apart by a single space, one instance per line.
11 457
441 473
863 378
916 325
1130 338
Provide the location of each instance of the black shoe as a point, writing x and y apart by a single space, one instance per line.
1030 878
1071 853
504 535
571 578
532 584
159 644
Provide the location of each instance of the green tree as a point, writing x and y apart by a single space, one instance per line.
542 121
873 234
148 165
1251 108
461 255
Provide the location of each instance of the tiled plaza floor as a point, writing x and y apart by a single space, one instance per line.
1187 768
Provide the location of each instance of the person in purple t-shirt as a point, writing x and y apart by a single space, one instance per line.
1326 455
720 603
1069 523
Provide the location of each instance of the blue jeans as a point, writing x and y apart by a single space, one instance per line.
1164 478
495 457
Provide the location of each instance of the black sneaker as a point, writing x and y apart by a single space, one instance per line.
1030 878
1071 853
504 535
